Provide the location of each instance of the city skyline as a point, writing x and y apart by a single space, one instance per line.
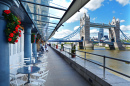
101 11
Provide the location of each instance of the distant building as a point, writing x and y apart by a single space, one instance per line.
101 30
100 34
106 36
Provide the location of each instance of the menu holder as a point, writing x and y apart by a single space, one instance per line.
29 68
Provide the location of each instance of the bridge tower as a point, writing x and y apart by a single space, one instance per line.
114 35
85 33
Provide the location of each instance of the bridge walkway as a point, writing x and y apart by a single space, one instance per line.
61 74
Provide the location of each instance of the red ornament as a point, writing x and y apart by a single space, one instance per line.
16 41
7 11
19 31
18 26
9 39
19 22
11 35
19 35
14 32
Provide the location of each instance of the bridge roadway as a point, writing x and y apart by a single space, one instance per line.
60 40
61 74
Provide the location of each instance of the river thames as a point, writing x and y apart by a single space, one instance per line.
116 65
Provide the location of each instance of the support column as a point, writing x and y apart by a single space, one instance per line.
85 32
34 49
4 46
114 33
27 41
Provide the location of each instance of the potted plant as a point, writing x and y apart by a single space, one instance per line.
61 47
54 45
73 51
57 46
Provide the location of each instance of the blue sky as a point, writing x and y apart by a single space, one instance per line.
101 11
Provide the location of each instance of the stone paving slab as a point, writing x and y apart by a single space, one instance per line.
61 74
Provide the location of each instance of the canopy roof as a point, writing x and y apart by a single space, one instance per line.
41 12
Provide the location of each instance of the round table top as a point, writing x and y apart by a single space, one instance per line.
36 62
24 70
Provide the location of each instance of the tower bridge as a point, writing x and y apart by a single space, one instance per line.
114 32
85 41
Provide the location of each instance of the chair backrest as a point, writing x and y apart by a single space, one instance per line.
26 59
13 71
44 75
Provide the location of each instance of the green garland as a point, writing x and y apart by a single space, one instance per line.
37 40
73 49
12 28
32 37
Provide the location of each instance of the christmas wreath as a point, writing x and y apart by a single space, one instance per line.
12 30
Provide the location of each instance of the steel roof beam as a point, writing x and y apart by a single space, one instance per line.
51 26
45 21
44 15
44 5
74 7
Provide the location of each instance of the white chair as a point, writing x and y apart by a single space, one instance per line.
42 69
27 59
38 74
13 71
14 74
16 79
43 65
41 80
17 82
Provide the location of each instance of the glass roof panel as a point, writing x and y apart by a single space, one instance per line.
48 14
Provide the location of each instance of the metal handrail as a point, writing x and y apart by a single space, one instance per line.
104 61
103 56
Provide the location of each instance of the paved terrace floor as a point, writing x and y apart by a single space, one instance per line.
61 74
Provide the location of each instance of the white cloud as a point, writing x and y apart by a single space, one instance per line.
123 2
113 12
62 33
66 32
58 13
76 27
94 31
127 34
106 31
93 5
122 20
125 28
94 19
76 37
77 15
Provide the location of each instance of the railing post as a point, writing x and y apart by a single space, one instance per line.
104 62
65 51
85 60
69 52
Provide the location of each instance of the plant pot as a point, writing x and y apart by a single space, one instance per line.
73 56
56 46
